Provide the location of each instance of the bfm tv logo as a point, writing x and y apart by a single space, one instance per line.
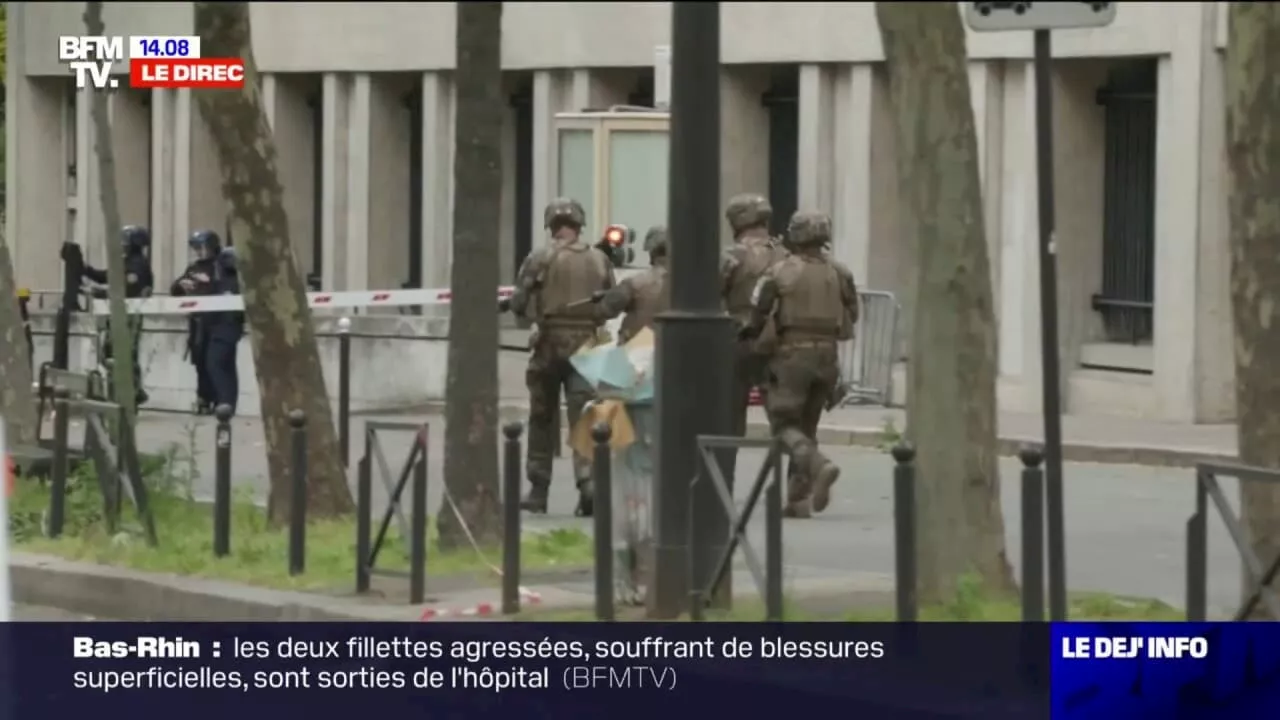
153 63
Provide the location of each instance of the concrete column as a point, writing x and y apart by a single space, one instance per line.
39 132
333 227
550 96
88 211
269 97
1215 360
164 237
180 175
294 128
852 209
815 165
1178 116
744 136
437 178
1020 278
207 206
387 241
356 259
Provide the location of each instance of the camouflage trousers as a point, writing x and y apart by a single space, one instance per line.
748 372
800 380
549 371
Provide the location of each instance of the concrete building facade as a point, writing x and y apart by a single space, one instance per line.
360 97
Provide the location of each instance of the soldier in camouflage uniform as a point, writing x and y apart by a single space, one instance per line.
555 289
813 303
641 296
741 267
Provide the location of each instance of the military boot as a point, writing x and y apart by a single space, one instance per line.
535 501
586 500
822 483
798 503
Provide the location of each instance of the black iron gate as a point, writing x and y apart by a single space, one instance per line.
1129 185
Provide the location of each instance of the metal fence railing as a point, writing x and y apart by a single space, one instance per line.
866 363
1260 576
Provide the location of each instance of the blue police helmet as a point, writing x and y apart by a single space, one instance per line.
136 238
227 259
205 239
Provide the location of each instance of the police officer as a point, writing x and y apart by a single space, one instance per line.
640 296
198 279
754 251
555 288
223 331
813 303
138 283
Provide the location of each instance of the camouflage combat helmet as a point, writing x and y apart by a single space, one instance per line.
809 229
564 210
747 211
655 241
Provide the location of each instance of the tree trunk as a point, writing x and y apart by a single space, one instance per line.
19 413
471 392
280 328
104 148
15 370
1252 77
951 400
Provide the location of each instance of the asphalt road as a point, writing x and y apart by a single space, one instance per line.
1125 524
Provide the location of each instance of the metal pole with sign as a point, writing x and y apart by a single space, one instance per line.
1043 17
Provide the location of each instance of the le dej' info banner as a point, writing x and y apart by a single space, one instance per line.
638 670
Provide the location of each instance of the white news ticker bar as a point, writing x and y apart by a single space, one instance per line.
182 305
165 46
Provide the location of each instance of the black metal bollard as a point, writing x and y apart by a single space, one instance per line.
418 528
1032 534
511 519
602 491
1198 554
298 495
904 531
773 609
344 390
58 483
364 507
222 482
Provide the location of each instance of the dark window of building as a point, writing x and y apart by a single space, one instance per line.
782 102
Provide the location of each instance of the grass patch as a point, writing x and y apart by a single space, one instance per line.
259 554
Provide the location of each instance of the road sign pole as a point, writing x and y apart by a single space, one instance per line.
1050 370
1042 18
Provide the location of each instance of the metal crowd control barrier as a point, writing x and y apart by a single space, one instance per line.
769 483
415 466
114 456
1259 577
866 364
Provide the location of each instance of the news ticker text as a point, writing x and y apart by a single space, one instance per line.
652 662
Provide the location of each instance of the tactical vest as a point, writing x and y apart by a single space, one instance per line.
572 273
755 255
649 297
810 303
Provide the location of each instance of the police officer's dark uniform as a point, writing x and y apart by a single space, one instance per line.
198 279
223 331
138 283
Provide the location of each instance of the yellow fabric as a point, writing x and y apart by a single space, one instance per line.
613 412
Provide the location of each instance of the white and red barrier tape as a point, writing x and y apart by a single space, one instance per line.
174 305
527 596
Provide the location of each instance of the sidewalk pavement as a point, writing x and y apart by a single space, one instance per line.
1099 439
